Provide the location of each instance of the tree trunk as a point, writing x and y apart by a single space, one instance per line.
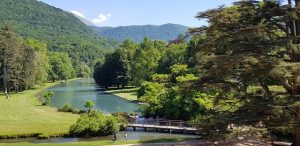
297 3
5 84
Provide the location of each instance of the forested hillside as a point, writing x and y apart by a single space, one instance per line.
165 32
60 30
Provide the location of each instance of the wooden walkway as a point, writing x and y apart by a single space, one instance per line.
162 125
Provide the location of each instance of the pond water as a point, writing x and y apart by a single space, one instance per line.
132 135
77 92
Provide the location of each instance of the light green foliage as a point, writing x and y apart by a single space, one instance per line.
145 60
173 54
61 66
150 89
41 62
161 78
84 71
47 96
89 105
94 124
187 77
179 69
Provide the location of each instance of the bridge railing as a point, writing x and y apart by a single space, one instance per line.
167 123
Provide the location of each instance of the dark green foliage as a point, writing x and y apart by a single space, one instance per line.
244 46
165 32
61 30
17 62
123 119
114 71
94 124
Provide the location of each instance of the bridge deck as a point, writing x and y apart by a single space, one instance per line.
162 127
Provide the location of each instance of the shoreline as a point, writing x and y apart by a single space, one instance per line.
129 94
40 121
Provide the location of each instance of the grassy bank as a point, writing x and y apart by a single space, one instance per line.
22 115
129 93
100 143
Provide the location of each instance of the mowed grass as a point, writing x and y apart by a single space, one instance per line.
129 93
23 115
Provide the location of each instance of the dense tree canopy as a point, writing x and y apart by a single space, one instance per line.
114 71
61 66
251 44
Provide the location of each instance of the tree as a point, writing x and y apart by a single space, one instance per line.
41 61
165 97
114 71
84 71
61 66
10 47
145 60
246 45
47 97
94 124
89 105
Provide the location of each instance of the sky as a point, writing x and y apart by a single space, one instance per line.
139 12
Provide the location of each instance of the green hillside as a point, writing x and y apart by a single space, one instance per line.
165 32
61 30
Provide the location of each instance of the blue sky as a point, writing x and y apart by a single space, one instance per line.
139 12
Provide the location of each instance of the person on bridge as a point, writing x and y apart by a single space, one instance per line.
126 136
114 136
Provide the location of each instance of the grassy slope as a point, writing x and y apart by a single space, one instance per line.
128 93
22 114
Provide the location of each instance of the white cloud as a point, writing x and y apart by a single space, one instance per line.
78 13
101 18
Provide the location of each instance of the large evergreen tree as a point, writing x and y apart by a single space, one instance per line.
10 58
252 43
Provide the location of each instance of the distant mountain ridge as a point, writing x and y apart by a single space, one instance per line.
61 30
137 33
84 20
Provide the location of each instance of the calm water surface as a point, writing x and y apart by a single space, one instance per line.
76 93
79 91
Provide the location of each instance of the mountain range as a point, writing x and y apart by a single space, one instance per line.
137 33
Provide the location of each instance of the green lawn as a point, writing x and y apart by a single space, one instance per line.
127 93
23 115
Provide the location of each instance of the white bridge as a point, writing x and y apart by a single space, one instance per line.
162 125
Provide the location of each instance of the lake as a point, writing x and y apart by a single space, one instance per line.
77 92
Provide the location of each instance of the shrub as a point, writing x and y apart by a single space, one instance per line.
94 124
68 108
89 105
47 97
123 119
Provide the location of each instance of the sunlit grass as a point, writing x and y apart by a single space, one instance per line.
129 93
23 115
